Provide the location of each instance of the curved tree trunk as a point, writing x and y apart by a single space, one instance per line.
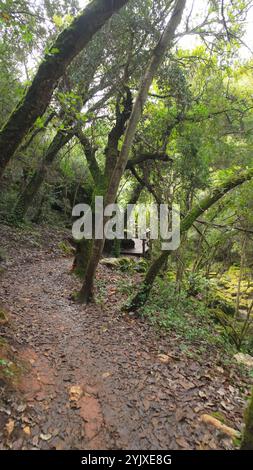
66 47
141 297
87 291
61 138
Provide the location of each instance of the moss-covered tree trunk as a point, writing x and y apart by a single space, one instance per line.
66 47
60 139
247 440
82 256
142 295
26 198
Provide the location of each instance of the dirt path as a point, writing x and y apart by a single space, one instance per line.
95 378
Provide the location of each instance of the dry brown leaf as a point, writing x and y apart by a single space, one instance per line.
106 374
182 443
10 426
226 406
35 440
45 437
163 358
186 384
27 430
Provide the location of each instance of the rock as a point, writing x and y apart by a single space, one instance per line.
75 393
163 358
110 262
244 359
243 315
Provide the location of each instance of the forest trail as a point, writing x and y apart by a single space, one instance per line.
98 379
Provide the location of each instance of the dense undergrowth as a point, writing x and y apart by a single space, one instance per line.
199 314
187 317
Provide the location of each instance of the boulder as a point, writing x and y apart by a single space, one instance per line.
244 359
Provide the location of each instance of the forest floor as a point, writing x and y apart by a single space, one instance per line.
90 377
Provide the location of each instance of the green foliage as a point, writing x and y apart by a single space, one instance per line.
198 285
6 368
65 248
188 318
132 265
9 367
126 264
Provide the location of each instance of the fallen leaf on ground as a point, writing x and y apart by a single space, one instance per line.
27 430
106 374
182 443
163 358
10 426
45 437
21 408
186 384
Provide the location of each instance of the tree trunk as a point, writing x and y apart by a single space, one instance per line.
27 196
157 57
133 199
242 266
87 291
35 132
180 265
141 297
247 441
86 294
82 257
66 47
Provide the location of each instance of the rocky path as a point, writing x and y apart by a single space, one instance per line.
95 378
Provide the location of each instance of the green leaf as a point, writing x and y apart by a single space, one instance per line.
58 21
